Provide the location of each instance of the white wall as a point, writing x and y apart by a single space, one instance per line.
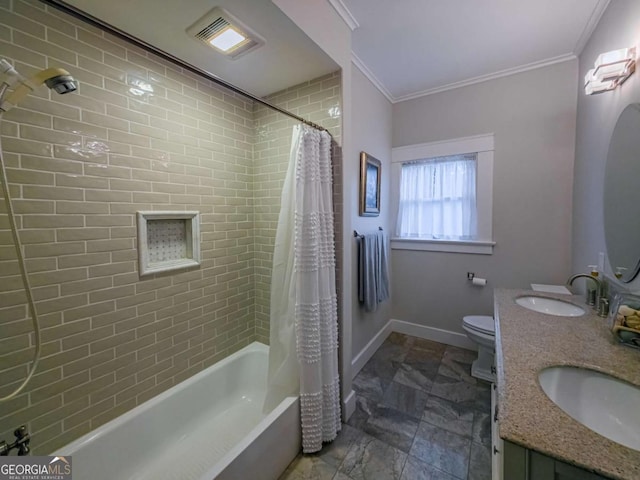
597 115
371 133
323 25
533 117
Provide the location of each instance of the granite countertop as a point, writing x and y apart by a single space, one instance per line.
527 342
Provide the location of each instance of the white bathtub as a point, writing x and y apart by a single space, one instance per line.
210 426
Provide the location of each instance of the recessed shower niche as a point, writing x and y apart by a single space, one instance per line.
168 241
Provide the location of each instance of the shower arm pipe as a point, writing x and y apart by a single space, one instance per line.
4 184
96 22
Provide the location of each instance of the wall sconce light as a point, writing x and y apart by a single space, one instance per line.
611 69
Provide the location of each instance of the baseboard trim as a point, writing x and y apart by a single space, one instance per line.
367 352
349 405
421 331
431 333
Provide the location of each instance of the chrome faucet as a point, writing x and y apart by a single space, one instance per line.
595 302
22 443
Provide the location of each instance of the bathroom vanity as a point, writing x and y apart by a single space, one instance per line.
532 437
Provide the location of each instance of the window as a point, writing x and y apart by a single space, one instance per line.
438 199
443 195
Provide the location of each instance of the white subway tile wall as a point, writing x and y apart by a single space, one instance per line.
140 134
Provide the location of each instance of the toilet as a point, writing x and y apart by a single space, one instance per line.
482 330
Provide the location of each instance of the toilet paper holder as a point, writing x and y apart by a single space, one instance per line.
477 281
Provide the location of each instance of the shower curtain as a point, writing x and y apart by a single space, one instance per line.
303 357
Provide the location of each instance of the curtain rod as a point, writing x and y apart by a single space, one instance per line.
96 22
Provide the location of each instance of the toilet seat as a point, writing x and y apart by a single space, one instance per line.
480 323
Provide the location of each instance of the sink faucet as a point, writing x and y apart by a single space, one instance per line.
596 301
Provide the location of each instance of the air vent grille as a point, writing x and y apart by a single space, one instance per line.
215 23
209 31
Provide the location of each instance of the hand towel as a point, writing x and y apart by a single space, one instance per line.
373 276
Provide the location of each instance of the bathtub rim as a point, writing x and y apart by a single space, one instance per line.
74 446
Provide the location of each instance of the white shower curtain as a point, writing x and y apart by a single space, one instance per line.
303 356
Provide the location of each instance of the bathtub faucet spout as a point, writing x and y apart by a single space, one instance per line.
22 443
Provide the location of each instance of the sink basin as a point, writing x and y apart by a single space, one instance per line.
604 404
550 306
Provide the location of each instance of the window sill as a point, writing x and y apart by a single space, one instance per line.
480 247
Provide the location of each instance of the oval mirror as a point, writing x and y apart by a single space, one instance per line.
621 202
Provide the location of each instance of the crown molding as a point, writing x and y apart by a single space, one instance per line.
344 13
591 25
485 78
372 78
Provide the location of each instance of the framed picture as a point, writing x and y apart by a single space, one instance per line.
370 171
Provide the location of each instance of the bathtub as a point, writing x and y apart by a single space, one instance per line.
211 426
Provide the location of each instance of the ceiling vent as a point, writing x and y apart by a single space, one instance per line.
225 34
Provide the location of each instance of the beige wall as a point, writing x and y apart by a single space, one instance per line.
532 115
80 166
597 116
372 134
319 101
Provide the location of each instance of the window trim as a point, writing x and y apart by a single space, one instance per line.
483 145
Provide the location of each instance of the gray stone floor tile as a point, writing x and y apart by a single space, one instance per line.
341 476
333 453
364 409
416 469
482 401
369 390
395 347
460 355
454 389
482 428
401 339
431 358
456 418
371 459
386 361
393 427
457 371
452 442
442 449
480 462
428 345
369 385
406 399
418 370
309 467
456 363
414 378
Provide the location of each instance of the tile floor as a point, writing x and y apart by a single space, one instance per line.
420 415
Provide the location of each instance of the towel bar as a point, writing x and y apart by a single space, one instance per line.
356 234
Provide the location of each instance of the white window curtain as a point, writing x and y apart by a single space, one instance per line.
303 355
438 199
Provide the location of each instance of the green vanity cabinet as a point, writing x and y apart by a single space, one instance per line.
520 463
513 462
